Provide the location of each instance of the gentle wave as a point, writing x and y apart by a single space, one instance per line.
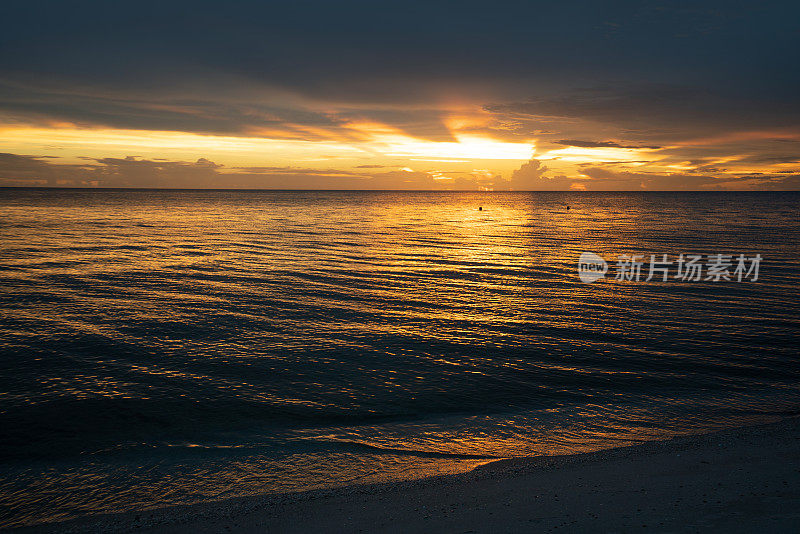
164 347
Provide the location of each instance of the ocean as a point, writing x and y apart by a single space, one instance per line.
163 347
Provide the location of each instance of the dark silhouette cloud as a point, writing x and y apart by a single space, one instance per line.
599 144
602 179
770 158
26 170
530 177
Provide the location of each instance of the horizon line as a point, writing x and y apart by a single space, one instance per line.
56 187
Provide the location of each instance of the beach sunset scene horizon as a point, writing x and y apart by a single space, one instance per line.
399 267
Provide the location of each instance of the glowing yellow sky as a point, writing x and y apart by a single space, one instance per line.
376 144
373 144
476 148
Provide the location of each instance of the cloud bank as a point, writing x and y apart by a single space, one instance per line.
25 170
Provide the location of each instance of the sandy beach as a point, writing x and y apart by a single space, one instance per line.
741 480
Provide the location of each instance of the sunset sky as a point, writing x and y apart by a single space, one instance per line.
401 95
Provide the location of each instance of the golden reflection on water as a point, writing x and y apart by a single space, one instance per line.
190 346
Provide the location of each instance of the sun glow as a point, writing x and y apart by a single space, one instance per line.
465 148
361 142
392 142
357 149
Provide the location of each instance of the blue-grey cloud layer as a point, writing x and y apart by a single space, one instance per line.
210 67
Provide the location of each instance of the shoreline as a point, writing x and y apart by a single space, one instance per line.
737 480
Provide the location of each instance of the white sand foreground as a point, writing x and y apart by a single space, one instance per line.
742 480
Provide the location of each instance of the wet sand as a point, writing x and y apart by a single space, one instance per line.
742 480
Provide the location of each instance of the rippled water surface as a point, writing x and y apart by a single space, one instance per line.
162 347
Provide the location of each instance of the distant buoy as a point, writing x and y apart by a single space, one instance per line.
567 207
480 208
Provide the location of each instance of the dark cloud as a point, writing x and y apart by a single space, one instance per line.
770 158
607 163
534 176
599 144
25 170
209 67
602 179
530 177
223 110
663 112
294 170
220 113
